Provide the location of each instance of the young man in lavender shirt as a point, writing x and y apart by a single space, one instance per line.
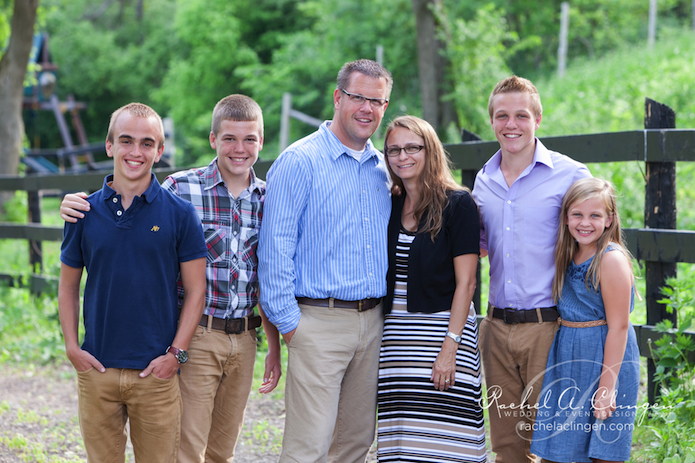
519 192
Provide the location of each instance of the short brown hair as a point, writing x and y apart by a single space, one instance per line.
136 110
240 108
517 84
367 67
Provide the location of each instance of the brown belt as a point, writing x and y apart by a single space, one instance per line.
589 324
232 325
360 306
513 316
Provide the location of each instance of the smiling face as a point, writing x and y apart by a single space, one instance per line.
408 167
237 144
354 123
587 220
136 146
515 123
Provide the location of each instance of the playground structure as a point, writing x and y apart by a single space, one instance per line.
71 158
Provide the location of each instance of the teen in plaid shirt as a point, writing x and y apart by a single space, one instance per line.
217 379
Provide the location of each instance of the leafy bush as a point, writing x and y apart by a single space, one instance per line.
671 421
29 327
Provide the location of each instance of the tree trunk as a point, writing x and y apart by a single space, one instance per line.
13 69
431 65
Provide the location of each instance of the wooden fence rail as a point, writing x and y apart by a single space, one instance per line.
660 248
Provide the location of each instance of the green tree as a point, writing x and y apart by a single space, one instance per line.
109 55
210 48
13 69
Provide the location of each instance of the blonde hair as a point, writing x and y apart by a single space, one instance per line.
436 179
136 110
566 247
516 84
238 108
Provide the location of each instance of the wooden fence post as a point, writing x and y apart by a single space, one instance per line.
35 249
659 212
467 179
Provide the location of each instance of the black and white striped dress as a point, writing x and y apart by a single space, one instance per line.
418 423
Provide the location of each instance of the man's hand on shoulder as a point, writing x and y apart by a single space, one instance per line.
72 205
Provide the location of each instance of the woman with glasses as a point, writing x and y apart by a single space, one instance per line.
429 373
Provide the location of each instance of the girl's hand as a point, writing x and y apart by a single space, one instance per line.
444 367
604 403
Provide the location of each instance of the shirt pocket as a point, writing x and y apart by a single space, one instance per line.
540 225
217 241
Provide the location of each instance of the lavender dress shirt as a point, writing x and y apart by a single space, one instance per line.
519 225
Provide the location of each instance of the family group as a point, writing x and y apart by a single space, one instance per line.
365 262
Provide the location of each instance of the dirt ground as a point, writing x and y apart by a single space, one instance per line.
38 420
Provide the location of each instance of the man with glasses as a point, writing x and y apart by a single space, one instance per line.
322 269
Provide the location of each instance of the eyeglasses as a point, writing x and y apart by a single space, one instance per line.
410 149
376 103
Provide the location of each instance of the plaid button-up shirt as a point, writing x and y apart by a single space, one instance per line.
231 227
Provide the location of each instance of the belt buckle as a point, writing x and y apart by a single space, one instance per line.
360 305
243 322
510 316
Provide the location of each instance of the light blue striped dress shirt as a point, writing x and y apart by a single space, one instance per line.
324 224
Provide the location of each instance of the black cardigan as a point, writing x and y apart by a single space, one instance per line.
431 278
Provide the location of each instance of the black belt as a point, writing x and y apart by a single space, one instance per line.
232 325
513 316
360 306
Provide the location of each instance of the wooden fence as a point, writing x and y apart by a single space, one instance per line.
658 245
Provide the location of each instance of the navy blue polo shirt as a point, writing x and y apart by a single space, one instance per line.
132 259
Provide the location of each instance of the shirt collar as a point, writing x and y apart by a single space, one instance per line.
540 155
336 147
213 177
149 195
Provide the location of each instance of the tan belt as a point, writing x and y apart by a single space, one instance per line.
589 324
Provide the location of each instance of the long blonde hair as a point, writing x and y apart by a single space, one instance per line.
436 179
566 247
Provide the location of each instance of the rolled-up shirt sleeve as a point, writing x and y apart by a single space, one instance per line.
287 190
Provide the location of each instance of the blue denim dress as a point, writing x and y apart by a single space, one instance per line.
565 429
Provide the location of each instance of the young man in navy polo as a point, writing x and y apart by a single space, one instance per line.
134 243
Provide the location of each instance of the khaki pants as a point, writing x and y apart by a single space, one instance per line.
514 360
331 387
215 385
153 406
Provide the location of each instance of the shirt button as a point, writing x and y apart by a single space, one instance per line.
507 228
115 200
509 202
366 219
234 232
369 246
507 254
509 281
119 213
371 274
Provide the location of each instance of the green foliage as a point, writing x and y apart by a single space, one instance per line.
109 58
202 72
15 210
608 95
29 327
671 421
477 51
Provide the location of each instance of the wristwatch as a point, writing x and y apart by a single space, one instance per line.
455 337
180 354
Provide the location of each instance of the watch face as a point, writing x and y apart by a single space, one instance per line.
183 356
